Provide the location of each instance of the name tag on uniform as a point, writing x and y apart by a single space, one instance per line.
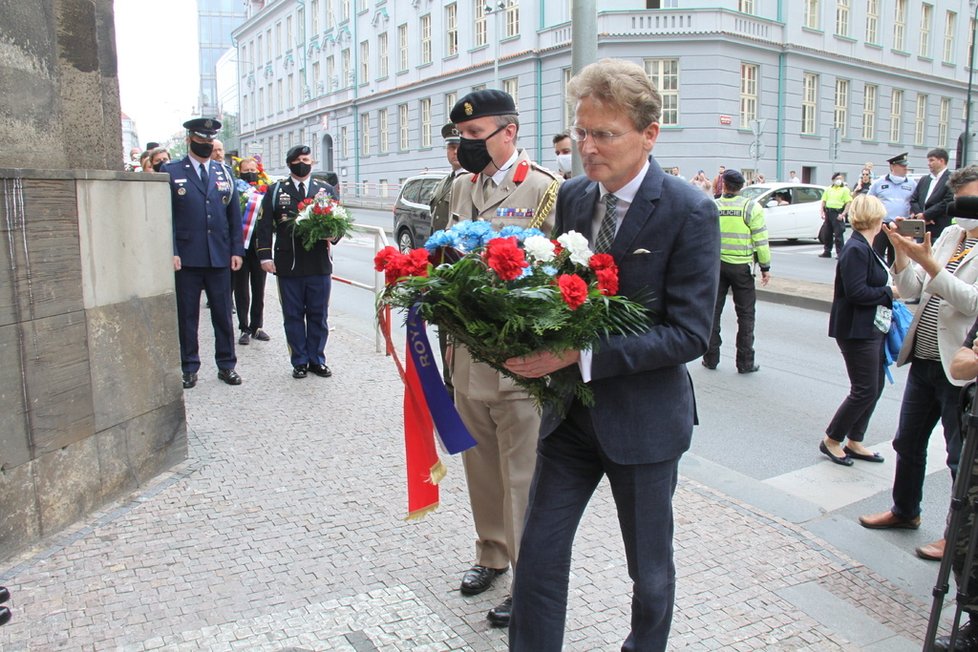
284 199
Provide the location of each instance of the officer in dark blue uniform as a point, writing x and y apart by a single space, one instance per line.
207 245
303 276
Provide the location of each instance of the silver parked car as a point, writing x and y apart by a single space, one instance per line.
792 211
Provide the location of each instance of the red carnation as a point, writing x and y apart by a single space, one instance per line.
573 289
607 280
384 257
601 261
504 257
558 248
416 263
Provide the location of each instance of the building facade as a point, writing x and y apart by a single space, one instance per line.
216 20
813 86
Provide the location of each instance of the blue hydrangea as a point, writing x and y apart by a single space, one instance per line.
549 270
241 185
518 231
473 234
440 239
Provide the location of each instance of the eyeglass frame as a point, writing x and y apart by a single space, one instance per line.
580 135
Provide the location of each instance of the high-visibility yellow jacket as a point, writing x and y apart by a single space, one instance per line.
742 236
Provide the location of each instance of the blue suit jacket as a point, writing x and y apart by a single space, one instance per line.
666 251
860 286
206 221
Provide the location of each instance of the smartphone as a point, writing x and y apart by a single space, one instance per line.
913 228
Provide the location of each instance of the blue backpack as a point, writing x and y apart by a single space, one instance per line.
894 338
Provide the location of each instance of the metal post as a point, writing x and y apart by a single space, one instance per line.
967 105
584 48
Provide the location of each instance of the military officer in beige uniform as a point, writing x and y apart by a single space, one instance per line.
507 188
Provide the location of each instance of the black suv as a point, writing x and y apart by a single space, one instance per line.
412 214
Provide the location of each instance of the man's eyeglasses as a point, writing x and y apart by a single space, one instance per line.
580 134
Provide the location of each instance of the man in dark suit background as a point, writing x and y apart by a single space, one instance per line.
663 234
207 246
303 276
931 196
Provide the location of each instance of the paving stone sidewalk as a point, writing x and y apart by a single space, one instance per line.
284 530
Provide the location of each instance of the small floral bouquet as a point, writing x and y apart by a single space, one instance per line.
246 189
321 218
514 292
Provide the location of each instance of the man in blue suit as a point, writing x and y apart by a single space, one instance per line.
663 233
207 245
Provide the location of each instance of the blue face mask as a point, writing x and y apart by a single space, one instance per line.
966 223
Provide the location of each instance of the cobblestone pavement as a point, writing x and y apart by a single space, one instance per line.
284 531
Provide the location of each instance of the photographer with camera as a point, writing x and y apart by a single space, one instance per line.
945 280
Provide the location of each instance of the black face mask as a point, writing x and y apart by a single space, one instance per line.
249 177
203 150
300 170
158 165
473 153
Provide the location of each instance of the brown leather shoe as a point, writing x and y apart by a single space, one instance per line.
889 520
932 551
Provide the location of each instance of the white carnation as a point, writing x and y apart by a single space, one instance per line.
576 244
539 248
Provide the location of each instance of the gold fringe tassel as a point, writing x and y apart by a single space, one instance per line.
421 513
438 473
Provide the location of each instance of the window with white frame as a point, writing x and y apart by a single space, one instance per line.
841 115
943 118
745 6
896 115
345 141
926 17
451 29
481 23
364 134
278 39
450 100
920 120
364 62
383 56
869 111
344 10
331 81
512 19
900 25
424 109
425 26
811 14
842 17
281 150
279 95
314 16
271 99
872 21
268 45
950 23
317 79
402 47
346 68
512 86
290 92
664 74
569 105
403 128
748 94
261 104
383 125
330 22
289 40
809 103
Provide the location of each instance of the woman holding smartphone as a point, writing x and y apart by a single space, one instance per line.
858 322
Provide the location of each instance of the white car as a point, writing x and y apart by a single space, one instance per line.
792 211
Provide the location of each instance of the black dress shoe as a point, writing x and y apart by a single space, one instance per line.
965 641
4 594
844 460
189 380
825 254
709 365
872 457
479 578
320 370
749 370
4 616
245 338
261 335
230 376
499 615
299 371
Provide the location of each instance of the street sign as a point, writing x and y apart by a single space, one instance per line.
726 120
756 150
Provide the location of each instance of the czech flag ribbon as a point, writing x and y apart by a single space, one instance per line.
249 216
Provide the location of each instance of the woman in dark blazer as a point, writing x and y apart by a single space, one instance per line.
862 284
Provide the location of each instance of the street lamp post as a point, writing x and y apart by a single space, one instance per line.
495 10
967 106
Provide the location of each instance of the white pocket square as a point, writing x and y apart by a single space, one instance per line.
641 251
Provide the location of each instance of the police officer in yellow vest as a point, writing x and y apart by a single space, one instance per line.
743 237
507 188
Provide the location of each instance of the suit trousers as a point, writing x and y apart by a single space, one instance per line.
570 464
216 284
498 471
927 397
864 364
305 301
740 280
250 305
